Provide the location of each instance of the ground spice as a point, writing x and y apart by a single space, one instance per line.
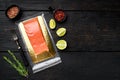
59 15
13 12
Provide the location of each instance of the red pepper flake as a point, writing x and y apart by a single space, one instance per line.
59 15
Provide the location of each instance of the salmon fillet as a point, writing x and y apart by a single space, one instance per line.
35 35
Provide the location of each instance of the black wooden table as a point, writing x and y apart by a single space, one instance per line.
93 36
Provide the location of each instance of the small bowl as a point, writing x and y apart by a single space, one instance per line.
59 15
13 12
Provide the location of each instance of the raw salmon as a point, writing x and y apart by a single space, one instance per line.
35 35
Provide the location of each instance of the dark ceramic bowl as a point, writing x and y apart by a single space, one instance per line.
13 12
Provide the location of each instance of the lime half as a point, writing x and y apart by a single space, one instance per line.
61 44
61 32
52 24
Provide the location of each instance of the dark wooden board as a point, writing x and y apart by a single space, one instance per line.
93 36
74 66
86 31
92 31
109 5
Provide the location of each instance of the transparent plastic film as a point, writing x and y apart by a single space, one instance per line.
40 48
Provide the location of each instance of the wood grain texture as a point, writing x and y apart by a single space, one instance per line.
75 66
111 5
86 31
93 36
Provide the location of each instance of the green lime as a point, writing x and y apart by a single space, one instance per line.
61 32
61 44
52 24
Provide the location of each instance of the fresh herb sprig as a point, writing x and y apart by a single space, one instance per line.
18 66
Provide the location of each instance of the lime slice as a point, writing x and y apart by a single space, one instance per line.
61 32
61 44
52 24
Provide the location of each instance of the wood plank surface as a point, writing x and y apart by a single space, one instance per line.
86 31
93 36
109 5
75 66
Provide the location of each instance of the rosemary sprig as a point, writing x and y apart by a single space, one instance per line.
19 67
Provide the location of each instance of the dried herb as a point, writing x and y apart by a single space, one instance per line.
18 66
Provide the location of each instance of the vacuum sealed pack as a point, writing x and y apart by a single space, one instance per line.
40 48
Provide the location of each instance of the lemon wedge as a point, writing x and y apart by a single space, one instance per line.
61 32
52 24
61 44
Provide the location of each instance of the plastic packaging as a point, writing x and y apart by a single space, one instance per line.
40 48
